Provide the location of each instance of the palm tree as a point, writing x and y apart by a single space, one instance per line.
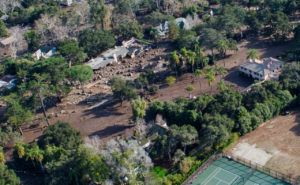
222 48
209 69
221 71
211 78
183 52
38 156
252 54
222 86
35 154
191 58
174 61
202 59
198 73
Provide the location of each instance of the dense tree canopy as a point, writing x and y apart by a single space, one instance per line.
210 38
61 134
71 51
81 73
128 29
290 77
33 40
122 90
94 42
97 12
217 116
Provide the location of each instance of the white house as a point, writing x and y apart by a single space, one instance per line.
268 69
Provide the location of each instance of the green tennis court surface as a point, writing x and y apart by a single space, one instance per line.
226 172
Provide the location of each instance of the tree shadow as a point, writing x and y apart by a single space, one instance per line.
296 128
49 102
107 109
158 57
110 130
235 77
92 99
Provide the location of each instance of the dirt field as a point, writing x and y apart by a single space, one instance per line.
275 144
110 120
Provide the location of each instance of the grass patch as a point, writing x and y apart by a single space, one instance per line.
160 172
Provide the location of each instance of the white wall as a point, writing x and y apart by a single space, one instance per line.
251 74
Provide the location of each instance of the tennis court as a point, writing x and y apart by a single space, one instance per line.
228 172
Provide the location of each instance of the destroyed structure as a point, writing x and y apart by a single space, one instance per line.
130 48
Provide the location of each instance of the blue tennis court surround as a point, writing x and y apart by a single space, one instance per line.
227 172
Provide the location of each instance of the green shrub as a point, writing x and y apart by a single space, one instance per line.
170 80
153 89
231 140
189 88
138 107
160 172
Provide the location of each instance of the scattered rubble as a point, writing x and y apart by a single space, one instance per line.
98 92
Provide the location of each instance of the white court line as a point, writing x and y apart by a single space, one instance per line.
221 181
212 175
231 173
235 177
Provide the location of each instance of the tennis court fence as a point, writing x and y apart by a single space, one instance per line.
251 164
202 168
286 178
